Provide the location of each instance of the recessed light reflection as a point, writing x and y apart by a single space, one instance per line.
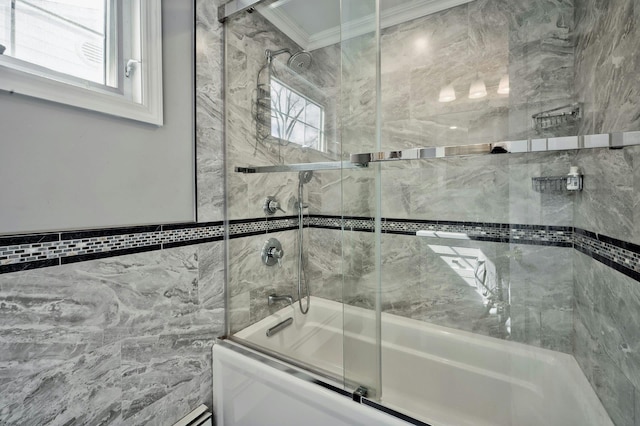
447 94
420 43
453 127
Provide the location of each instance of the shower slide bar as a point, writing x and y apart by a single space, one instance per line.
607 140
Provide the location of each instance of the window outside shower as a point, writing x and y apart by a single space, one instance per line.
72 37
296 118
101 55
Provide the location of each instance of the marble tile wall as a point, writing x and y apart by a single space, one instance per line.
251 281
606 329
550 50
248 36
430 280
209 112
606 82
529 41
123 340
607 64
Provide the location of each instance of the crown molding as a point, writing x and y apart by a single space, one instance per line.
284 23
390 17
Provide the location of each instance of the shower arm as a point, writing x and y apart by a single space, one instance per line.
270 54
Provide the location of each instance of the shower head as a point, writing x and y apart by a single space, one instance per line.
300 61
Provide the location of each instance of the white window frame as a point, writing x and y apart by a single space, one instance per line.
322 146
144 104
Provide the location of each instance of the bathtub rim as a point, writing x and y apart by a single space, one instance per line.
518 348
302 373
312 370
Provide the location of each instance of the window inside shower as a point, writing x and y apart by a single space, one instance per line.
296 118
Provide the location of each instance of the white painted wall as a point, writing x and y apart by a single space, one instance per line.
66 168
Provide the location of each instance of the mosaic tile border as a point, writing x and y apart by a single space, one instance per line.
30 251
620 255
559 236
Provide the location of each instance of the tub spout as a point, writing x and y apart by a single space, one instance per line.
273 298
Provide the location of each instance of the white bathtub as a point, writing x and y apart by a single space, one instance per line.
435 374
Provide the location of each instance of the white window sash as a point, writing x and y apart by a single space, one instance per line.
29 81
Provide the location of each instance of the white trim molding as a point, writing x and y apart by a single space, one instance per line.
146 106
393 16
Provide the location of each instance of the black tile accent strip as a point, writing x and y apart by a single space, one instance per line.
29 251
77 235
192 242
609 240
190 225
102 255
28 239
618 267
18 267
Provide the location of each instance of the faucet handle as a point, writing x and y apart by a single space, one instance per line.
272 252
271 205
277 254
274 205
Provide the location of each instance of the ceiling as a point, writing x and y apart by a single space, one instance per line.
313 24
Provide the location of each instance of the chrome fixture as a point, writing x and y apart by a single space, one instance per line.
303 177
273 298
271 206
298 61
272 252
270 54
607 140
566 114
359 393
569 183
279 326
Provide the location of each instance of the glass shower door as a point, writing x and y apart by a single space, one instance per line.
360 189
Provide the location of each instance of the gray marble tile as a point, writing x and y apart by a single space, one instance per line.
83 388
606 64
324 267
637 407
62 330
608 302
239 312
613 388
606 325
209 113
164 377
606 203
634 152
541 293
246 270
531 207
466 189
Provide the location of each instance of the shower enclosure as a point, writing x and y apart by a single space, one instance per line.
453 183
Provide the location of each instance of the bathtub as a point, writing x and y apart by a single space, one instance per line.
437 375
